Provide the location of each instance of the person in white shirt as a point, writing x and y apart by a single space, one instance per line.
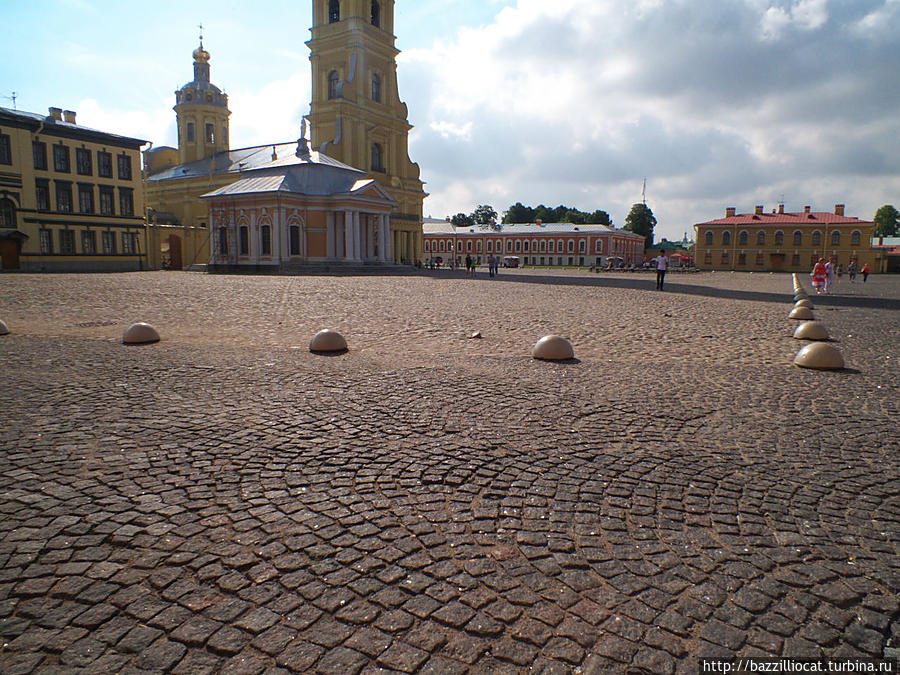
662 264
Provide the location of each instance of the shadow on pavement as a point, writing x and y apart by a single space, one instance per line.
648 283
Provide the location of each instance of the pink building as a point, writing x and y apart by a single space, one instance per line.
552 244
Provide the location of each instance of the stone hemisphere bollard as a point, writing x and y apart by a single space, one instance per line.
811 330
819 356
801 314
140 334
553 348
799 295
327 341
803 302
4 329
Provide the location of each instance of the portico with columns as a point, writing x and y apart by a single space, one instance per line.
305 208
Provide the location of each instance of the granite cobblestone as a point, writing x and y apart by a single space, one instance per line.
225 501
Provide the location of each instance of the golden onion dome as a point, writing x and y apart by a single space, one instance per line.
201 55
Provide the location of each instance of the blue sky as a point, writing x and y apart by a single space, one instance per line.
716 102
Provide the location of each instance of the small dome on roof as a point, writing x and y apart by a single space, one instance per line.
200 54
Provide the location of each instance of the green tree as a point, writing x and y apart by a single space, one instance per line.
640 220
462 220
887 221
599 217
485 217
518 213
575 217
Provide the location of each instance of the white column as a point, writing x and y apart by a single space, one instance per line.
382 239
348 235
357 237
370 224
329 228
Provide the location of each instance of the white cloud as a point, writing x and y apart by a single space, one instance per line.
806 15
576 102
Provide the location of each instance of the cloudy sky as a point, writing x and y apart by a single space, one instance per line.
715 102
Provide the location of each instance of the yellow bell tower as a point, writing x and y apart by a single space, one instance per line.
201 114
356 115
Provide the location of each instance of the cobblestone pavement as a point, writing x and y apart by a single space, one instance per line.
225 501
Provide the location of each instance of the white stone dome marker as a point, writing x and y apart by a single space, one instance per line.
811 330
819 356
553 348
803 302
327 341
4 329
140 334
801 313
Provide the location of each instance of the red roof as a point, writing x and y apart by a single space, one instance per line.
824 217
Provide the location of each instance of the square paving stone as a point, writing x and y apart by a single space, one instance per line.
195 631
198 662
162 655
300 656
327 632
342 660
245 663
257 620
403 657
228 641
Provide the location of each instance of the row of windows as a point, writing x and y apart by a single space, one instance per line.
64 201
83 161
334 12
518 245
547 260
743 237
108 240
265 240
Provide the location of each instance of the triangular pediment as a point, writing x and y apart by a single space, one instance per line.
371 188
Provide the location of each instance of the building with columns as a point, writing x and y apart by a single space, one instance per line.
356 114
300 209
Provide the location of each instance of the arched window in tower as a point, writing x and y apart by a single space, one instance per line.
210 133
377 157
376 14
334 11
190 132
376 88
334 85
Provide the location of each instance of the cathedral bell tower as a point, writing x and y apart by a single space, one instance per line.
201 113
356 115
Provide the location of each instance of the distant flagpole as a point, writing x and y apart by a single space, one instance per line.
644 193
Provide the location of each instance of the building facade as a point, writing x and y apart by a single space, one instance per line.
551 244
71 198
781 241
356 114
175 178
299 209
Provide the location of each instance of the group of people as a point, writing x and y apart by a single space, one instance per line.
493 263
823 274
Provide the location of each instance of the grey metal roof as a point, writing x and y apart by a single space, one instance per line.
523 228
246 159
320 178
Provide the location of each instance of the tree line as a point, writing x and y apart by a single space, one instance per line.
640 219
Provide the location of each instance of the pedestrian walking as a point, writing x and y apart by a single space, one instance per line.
865 272
662 264
468 266
818 275
829 276
851 271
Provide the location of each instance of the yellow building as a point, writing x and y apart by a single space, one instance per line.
356 113
70 197
780 241
174 178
